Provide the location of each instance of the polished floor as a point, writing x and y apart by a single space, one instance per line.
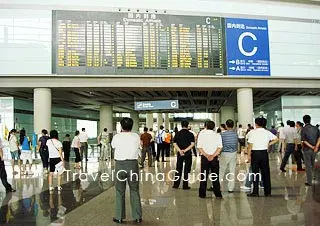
91 201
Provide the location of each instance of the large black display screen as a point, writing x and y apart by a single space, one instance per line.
137 43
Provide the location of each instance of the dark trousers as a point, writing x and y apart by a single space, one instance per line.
187 160
213 167
77 154
299 156
84 150
146 151
160 148
44 154
3 176
66 152
260 162
167 149
153 149
288 152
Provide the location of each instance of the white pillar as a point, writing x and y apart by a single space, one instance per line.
216 118
159 120
166 121
42 109
106 118
135 117
226 112
245 106
149 120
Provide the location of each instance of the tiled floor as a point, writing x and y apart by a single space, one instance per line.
93 202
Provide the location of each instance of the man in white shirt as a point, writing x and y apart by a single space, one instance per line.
209 145
84 144
281 138
241 137
160 136
290 144
258 142
126 145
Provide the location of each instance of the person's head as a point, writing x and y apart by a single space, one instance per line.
249 125
150 129
22 135
288 122
68 135
223 127
167 131
44 132
281 124
219 130
299 124
161 127
83 129
260 122
240 126
77 133
210 125
307 119
12 133
230 124
273 127
292 124
105 129
184 124
145 129
126 124
206 123
54 134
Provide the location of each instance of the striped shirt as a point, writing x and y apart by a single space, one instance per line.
229 141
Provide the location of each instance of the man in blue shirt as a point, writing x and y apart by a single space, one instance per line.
228 158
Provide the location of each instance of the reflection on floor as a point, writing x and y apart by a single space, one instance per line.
292 202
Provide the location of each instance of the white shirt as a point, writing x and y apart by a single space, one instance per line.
260 138
290 134
83 137
209 141
53 146
13 143
75 142
281 132
160 133
126 145
240 133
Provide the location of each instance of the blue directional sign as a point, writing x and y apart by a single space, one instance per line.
156 105
247 43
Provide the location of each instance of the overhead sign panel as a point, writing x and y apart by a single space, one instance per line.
247 47
156 105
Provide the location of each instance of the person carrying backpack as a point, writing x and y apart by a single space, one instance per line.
43 149
160 136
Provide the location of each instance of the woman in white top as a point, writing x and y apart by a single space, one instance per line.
55 157
76 148
14 149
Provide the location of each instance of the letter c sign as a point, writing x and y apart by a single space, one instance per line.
240 44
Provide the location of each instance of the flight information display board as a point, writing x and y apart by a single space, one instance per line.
137 43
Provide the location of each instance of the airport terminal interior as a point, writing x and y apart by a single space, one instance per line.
88 66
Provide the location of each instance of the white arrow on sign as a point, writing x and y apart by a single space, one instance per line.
232 68
232 61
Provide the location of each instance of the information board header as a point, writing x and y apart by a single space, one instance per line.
156 105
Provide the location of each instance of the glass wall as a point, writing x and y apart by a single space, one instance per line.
6 116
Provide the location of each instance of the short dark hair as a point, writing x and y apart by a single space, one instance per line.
307 119
230 123
211 125
126 123
67 135
261 122
83 129
272 127
223 126
288 122
77 133
150 129
161 127
300 123
145 129
105 129
240 126
184 124
292 124
54 134
44 131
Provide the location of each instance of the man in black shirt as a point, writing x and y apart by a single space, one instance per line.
183 143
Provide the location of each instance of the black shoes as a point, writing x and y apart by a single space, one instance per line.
283 170
253 195
186 188
138 220
117 221
308 184
10 190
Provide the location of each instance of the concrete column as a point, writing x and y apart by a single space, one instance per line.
245 106
226 112
166 121
149 120
135 117
216 118
42 109
159 120
106 118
